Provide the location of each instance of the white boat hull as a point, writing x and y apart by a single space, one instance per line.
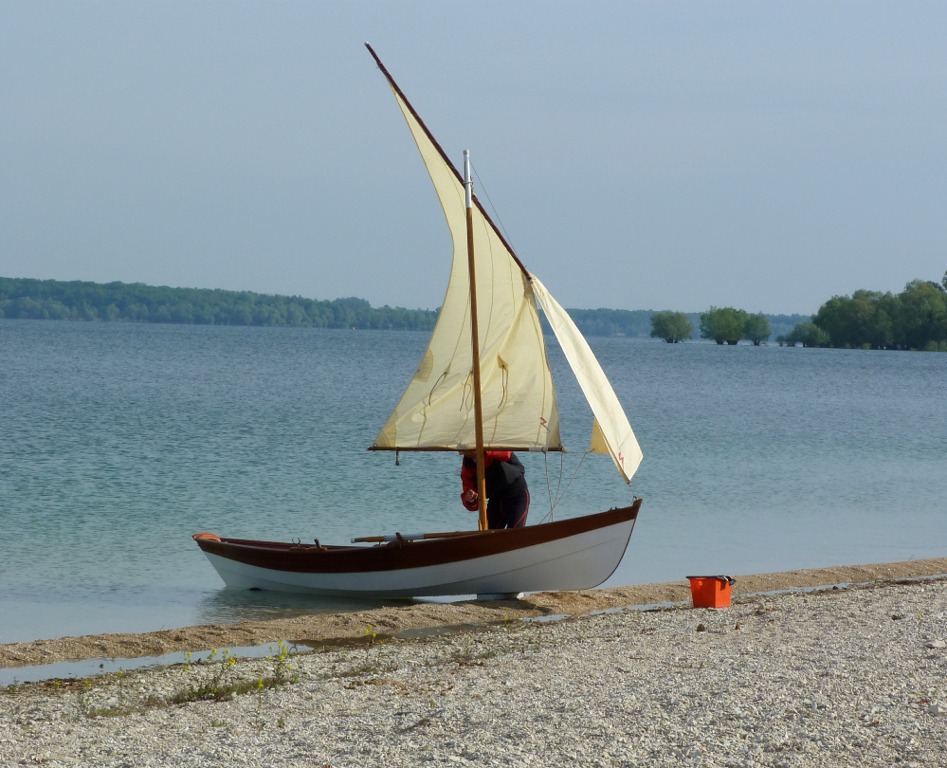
582 559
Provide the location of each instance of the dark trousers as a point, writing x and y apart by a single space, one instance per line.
509 510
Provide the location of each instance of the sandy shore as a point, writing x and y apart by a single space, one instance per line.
849 677
318 629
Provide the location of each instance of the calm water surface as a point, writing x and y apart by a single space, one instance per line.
117 442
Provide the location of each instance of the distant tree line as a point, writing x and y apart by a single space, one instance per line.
675 326
135 302
612 322
916 318
23 298
725 325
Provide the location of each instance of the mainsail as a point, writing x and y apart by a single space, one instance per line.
436 411
520 412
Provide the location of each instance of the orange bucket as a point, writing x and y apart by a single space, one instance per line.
711 591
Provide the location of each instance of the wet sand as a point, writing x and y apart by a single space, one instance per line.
336 628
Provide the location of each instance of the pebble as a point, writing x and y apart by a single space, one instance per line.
808 679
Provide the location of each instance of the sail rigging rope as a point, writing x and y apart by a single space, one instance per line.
493 209
560 493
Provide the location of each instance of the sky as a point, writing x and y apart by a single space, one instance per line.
638 155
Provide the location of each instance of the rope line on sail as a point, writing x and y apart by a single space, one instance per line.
493 209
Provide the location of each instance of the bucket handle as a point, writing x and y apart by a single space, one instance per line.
729 579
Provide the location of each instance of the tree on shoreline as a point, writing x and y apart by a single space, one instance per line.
723 324
757 329
916 318
808 334
671 326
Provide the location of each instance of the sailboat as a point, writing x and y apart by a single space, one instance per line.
483 383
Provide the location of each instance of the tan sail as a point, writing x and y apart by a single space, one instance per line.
436 412
611 432
519 401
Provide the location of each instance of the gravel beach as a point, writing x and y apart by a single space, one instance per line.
838 677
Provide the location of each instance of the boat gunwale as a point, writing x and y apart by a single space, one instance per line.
404 553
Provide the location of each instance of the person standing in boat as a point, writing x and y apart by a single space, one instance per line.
507 493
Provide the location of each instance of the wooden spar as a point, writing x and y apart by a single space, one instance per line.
448 163
475 348
412 536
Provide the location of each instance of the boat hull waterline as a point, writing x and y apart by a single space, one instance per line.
579 553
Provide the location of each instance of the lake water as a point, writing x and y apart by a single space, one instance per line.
118 442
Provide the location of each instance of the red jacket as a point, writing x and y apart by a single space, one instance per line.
468 474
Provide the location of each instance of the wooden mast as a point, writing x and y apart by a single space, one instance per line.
475 346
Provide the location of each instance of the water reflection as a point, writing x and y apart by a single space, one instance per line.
228 606
78 670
